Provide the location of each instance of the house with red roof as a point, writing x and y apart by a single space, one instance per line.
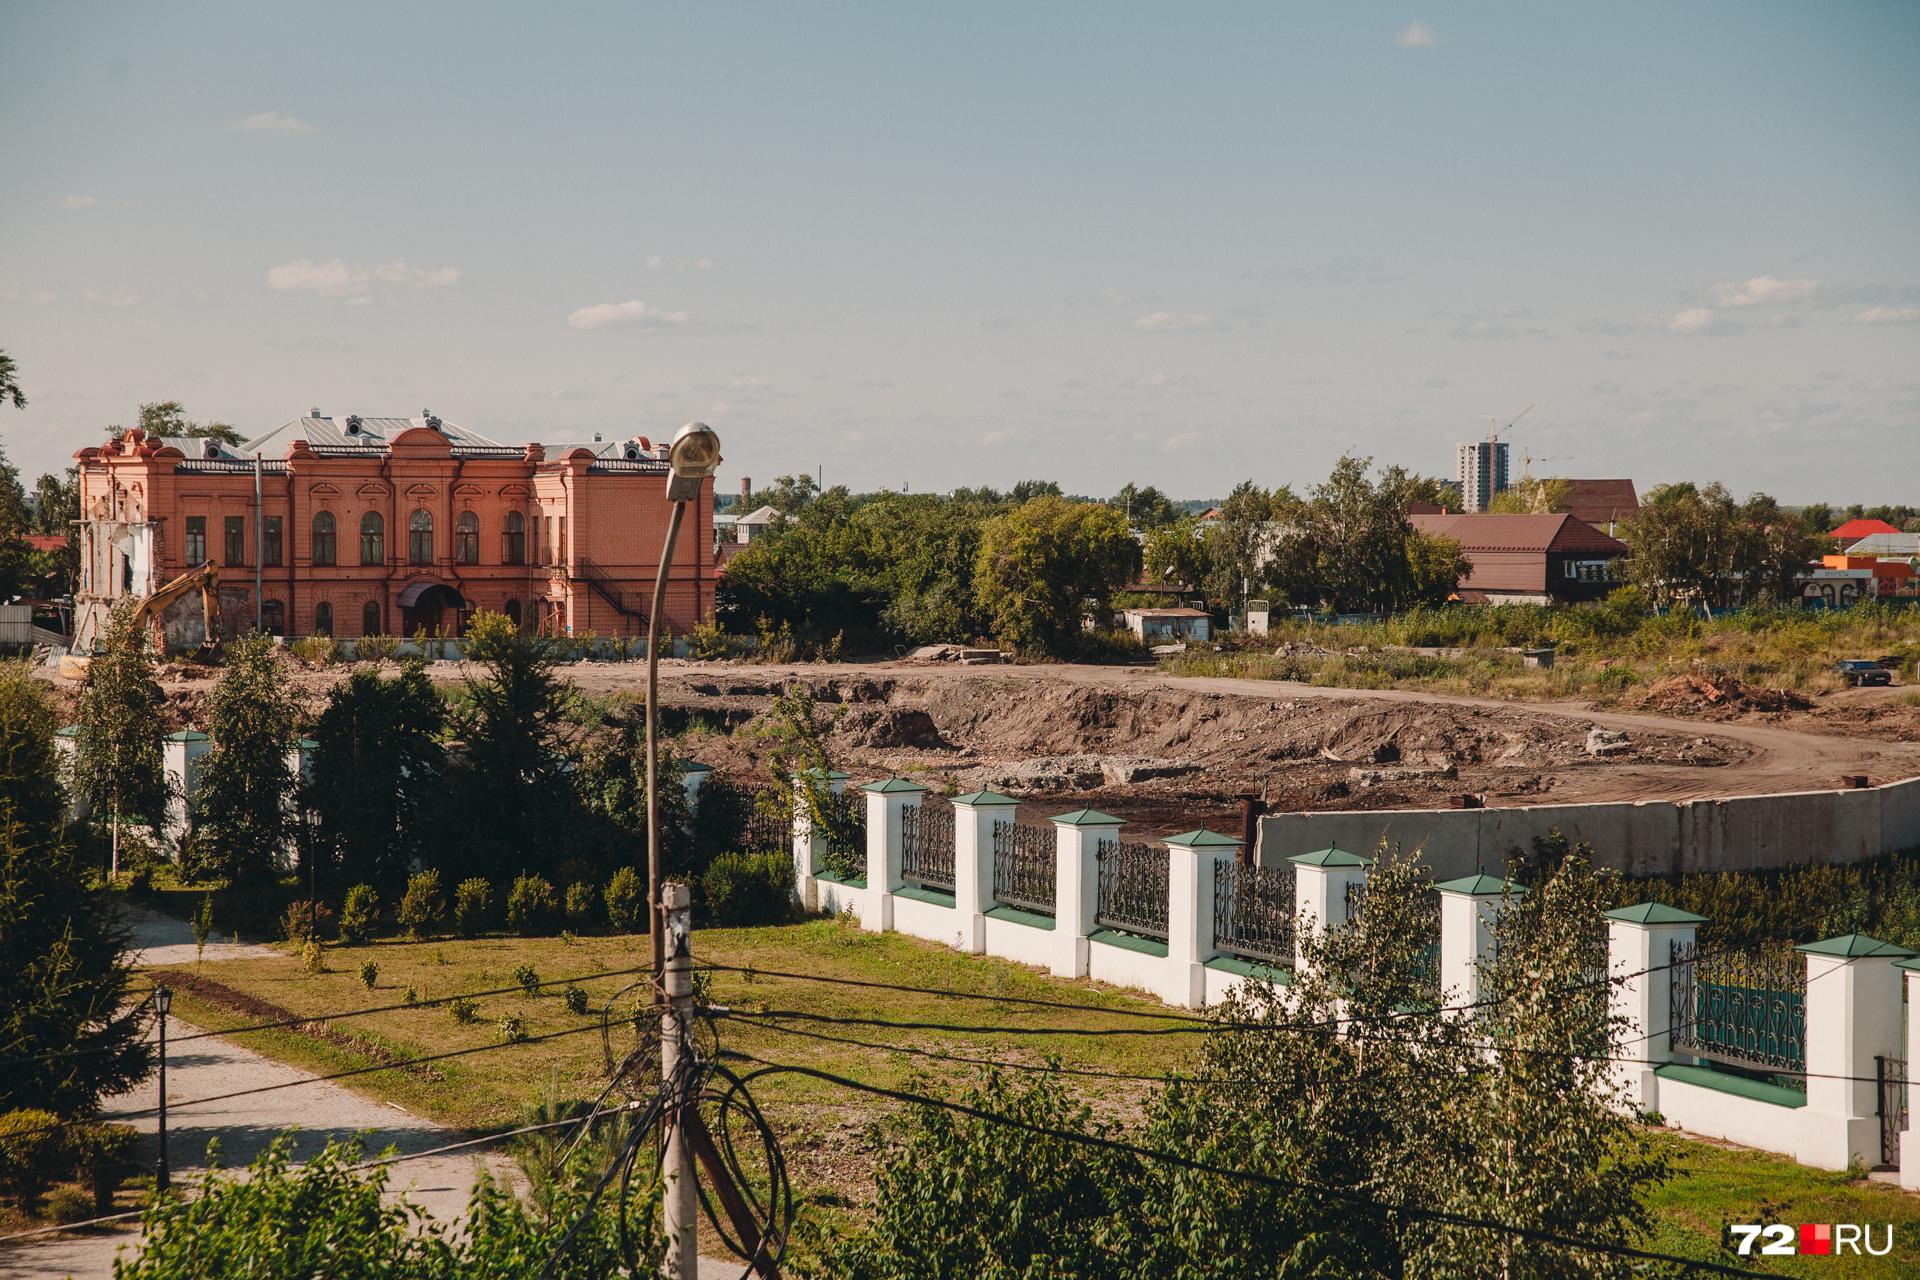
1854 530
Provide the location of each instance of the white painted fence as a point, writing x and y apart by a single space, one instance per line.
1853 1003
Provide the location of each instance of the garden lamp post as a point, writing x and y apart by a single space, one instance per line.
162 1002
694 456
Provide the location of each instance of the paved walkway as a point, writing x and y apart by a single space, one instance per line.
162 940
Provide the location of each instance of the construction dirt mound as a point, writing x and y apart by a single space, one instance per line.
1719 696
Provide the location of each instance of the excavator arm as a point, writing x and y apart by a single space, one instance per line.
206 579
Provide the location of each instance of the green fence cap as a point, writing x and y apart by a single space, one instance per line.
1853 946
984 796
890 786
1201 838
1654 913
1481 885
1088 818
1330 857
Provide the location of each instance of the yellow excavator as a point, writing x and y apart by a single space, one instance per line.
205 579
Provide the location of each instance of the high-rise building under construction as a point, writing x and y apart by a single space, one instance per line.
1483 473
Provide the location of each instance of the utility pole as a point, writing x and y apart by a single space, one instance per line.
682 1259
162 1001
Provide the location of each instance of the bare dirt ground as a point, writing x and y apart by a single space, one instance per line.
1179 752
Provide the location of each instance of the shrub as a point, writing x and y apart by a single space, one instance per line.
749 888
576 998
359 912
409 994
707 642
528 979
69 1204
30 1154
512 1030
369 974
375 648
319 651
463 1010
422 906
626 898
580 904
304 919
473 906
102 1156
530 905
313 956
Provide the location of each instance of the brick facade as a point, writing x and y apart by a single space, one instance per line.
389 526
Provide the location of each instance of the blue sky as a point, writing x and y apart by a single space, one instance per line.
935 245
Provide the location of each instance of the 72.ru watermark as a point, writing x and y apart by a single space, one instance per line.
1810 1239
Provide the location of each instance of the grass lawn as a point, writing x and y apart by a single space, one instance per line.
825 1128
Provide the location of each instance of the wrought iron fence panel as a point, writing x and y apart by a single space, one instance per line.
926 848
1024 866
1891 1076
842 849
1253 911
1132 894
1356 899
1745 1008
766 833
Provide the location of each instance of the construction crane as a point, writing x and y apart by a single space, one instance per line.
1493 432
1527 459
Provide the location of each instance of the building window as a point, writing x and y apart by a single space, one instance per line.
515 551
560 547
370 622
373 540
273 617
552 546
466 538
1590 570
196 540
270 541
323 539
513 612
420 537
323 619
235 538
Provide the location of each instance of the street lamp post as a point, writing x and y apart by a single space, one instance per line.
162 1001
693 457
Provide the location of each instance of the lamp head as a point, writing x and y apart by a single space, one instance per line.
694 455
163 997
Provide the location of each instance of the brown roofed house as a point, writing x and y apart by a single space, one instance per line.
1536 559
1600 503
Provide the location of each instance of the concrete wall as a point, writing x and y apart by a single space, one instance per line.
1742 833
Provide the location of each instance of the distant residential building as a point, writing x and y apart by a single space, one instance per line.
1604 504
1834 587
1854 530
1536 559
1168 626
1483 473
1890 544
755 524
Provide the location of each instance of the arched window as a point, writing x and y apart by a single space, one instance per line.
323 539
373 539
466 538
323 619
513 612
370 621
273 617
420 537
516 536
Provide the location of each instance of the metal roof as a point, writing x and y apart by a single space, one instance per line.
1488 531
370 435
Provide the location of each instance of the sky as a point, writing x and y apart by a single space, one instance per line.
921 246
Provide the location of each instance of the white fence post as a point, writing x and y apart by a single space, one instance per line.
1076 892
885 841
1468 907
1191 862
1853 1015
973 817
807 842
1640 942
1910 1138
693 776
182 752
1320 882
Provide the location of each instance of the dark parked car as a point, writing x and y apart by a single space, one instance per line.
1861 671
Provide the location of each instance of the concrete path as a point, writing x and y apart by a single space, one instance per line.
162 940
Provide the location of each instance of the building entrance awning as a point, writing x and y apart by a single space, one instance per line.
414 592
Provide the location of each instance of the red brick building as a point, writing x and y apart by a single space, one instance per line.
358 526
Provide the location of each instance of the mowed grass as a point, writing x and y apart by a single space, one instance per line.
826 1130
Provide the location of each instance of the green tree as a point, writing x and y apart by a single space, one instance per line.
117 764
10 382
1027 490
56 505
611 781
508 803
1047 564
69 1031
1696 543
1779 546
376 760
787 495
1532 497
17 562
1434 568
243 825
1145 507
169 418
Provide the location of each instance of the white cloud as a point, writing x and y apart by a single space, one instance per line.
273 122
124 301
1176 322
1418 35
1692 320
1889 315
338 279
632 314
658 264
80 202
1761 291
